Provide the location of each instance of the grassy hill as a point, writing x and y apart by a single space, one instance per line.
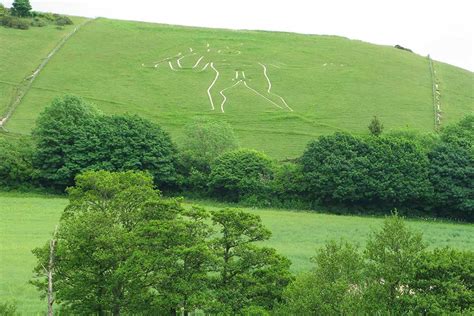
28 220
319 84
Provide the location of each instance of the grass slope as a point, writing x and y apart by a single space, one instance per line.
331 83
22 51
27 221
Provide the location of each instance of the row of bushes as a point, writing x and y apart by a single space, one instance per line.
35 19
422 175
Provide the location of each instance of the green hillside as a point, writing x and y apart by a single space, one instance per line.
319 84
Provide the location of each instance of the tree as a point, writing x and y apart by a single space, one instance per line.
375 126
204 141
391 254
443 283
247 275
241 174
333 287
451 174
21 8
72 136
16 167
383 171
59 156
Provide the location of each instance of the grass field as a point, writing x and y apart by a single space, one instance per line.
27 221
330 83
22 51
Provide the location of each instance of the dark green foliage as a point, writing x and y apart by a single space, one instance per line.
247 275
73 136
59 157
14 22
16 162
21 8
452 171
343 169
132 143
8 309
288 186
452 176
375 127
241 174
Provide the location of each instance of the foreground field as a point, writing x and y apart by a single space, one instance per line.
27 221
278 90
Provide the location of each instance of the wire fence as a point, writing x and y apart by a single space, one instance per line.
436 95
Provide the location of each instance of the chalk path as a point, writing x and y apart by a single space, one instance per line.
270 87
212 84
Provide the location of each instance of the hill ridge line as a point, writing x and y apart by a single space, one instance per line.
28 81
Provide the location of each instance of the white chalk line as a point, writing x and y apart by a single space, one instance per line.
225 98
197 63
204 68
212 84
270 87
245 83
178 61
171 66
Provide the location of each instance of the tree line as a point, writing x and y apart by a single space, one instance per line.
123 248
419 174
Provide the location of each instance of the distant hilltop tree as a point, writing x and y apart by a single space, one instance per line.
403 48
21 8
375 126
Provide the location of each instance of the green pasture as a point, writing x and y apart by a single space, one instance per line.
331 83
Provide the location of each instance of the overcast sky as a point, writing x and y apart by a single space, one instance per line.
442 28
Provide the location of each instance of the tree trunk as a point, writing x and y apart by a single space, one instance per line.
52 246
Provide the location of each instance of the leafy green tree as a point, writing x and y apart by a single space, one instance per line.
58 157
204 141
21 8
72 136
247 275
461 132
375 127
452 174
333 287
240 174
443 283
133 143
94 241
16 167
3 10
391 254
382 171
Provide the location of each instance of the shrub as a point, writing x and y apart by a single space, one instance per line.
375 127
15 22
38 22
16 167
240 174
63 20
380 171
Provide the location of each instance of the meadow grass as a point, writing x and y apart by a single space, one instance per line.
331 83
22 51
27 221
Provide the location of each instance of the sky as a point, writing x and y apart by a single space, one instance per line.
442 28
